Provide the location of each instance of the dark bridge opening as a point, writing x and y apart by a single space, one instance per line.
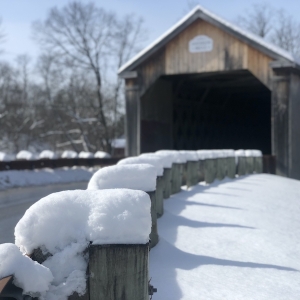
207 111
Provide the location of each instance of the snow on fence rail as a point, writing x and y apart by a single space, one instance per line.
95 242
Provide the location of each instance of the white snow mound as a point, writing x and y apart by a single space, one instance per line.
175 155
166 161
47 154
190 155
84 154
135 176
69 154
102 154
118 216
25 155
28 274
6 157
154 161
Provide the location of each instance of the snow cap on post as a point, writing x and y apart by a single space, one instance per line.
69 154
177 157
6 157
154 161
256 153
240 152
47 154
135 176
25 155
165 160
116 216
190 155
102 154
229 153
84 154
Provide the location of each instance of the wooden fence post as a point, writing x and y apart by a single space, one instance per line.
191 173
176 178
231 167
154 232
167 183
159 196
118 272
210 169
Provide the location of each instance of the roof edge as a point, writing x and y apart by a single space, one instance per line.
200 13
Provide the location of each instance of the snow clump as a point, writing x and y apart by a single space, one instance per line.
165 160
177 157
154 161
6 157
28 274
63 224
190 155
69 154
47 154
25 155
136 176
84 154
102 154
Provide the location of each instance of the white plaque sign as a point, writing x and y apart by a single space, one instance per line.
201 43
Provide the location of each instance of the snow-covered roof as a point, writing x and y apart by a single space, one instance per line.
201 13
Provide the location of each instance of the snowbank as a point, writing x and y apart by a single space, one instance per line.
63 224
28 275
16 178
25 155
102 154
154 161
136 177
84 154
69 154
47 154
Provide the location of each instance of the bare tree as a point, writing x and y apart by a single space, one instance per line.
259 19
286 34
96 42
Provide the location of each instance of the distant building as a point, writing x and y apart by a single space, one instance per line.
208 84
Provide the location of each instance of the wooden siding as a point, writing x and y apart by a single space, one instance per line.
228 53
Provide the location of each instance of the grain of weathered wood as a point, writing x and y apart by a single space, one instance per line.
159 196
192 173
154 232
118 272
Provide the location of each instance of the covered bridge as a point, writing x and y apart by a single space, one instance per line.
208 84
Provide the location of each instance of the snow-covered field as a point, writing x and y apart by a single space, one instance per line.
15 178
234 239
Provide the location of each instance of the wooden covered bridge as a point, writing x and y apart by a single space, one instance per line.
208 84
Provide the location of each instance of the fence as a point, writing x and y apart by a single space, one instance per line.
120 271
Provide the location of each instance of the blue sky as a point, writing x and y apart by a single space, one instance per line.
159 15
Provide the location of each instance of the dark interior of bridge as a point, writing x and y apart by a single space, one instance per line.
220 111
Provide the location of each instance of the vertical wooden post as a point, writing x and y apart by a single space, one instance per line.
231 167
220 168
159 196
154 231
118 272
167 182
241 167
250 164
191 173
176 178
280 120
200 170
132 121
210 170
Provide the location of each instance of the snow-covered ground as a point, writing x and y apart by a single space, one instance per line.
22 178
234 239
